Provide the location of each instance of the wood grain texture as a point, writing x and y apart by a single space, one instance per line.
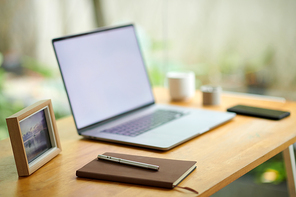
222 154
18 146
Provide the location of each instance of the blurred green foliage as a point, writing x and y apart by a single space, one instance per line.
34 65
275 164
156 76
7 107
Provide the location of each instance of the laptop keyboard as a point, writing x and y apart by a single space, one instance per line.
145 123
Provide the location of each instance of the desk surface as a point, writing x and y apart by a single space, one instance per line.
222 154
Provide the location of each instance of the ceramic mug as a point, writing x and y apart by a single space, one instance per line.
181 85
211 95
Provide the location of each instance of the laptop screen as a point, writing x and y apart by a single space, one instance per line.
104 74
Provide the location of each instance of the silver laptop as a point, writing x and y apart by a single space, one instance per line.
111 97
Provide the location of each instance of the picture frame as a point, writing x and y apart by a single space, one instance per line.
34 137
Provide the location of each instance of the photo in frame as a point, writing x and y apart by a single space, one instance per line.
34 137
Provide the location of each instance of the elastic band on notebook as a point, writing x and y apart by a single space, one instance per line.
188 188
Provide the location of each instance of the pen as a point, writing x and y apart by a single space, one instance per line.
129 162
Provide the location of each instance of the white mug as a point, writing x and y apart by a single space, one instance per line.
181 85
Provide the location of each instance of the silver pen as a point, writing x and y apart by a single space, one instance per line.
129 162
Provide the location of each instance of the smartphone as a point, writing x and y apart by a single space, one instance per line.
259 112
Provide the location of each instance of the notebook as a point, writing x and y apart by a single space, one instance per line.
170 174
110 94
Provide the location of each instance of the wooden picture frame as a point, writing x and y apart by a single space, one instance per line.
33 136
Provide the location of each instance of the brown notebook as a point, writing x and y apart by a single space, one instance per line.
170 173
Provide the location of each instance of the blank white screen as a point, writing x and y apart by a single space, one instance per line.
104 74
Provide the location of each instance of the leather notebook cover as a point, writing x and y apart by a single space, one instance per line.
170 173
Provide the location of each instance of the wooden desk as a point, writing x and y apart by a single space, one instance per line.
223 155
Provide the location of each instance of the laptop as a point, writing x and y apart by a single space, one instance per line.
110 94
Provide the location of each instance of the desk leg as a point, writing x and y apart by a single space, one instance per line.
289 159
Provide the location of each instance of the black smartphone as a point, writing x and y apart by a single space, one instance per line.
259 112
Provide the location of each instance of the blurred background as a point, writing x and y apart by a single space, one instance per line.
244 46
